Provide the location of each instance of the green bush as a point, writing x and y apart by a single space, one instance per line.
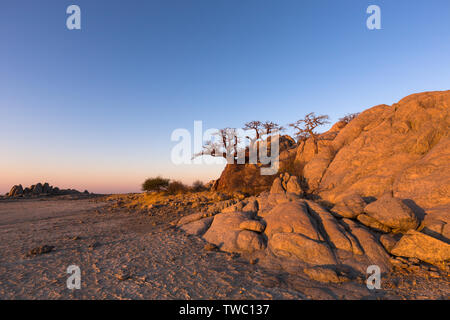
155 184
176 187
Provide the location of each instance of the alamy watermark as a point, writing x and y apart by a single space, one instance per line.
74 280
73 21
374 20
374 279
236 146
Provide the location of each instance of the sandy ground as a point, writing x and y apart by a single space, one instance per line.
130 255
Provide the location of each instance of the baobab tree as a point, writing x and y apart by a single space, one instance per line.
258 126
225 146
305 128
271 127
261 129
254 125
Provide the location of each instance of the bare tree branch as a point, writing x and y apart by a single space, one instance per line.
305 128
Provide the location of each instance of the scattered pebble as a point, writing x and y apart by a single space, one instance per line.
40 250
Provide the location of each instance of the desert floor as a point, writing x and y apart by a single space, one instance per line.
131 255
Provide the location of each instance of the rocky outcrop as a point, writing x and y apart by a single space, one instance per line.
402 149
39 190
385 177
292 228
323 241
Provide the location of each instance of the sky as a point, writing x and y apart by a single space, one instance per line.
95 108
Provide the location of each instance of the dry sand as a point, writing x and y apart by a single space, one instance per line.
130 255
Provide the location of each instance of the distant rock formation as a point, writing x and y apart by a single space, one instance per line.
39 190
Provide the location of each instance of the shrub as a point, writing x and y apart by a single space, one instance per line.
349 117
176 187
155 184
198 186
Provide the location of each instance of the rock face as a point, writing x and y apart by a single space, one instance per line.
403 149
38 190
246 177
243 177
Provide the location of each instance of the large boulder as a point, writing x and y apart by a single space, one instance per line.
249 241
350 206
46 188
16 191
37 189
225 232
251 206
291 217
294 186
373 223
277 186
310 251
418 245
393 213
198 227
196 223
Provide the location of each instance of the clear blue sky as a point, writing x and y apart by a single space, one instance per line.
94 109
